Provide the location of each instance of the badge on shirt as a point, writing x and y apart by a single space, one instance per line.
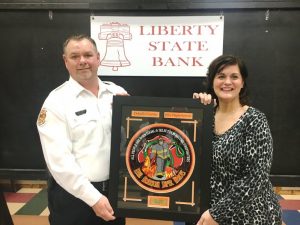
42 117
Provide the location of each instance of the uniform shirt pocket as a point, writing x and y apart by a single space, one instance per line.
83 124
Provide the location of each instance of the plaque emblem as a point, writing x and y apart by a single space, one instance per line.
160 158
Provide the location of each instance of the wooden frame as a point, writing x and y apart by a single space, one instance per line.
160 158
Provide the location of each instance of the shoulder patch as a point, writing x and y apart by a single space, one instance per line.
42 117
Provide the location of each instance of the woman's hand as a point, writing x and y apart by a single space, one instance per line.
204 98
206 219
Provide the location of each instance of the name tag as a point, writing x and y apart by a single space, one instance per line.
81 112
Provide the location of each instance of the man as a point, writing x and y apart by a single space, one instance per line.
75 132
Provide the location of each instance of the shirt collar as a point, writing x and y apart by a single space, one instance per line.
77 88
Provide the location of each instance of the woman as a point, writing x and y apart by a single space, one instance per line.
241 192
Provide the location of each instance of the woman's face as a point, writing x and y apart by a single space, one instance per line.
228 83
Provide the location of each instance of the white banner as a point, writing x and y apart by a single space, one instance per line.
157 46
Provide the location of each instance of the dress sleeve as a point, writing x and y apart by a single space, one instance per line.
57 150
254 174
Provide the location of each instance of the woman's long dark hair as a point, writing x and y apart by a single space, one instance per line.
219 64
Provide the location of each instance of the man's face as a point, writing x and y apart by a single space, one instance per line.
82 60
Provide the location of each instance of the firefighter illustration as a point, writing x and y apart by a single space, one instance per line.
161 157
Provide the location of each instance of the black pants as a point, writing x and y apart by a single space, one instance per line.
65 209
5 217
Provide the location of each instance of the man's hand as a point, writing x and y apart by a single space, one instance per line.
103 209
123 94
206 219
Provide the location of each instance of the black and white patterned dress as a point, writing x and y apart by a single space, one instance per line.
241 192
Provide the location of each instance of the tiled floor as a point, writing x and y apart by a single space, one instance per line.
33 201
290 205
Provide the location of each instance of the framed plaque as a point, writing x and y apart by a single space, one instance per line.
160 158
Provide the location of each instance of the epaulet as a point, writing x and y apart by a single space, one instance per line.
113 88
108 82
60 87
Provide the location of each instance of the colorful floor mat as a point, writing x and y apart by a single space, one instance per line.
33 201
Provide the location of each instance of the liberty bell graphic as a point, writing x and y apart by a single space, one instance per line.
115 34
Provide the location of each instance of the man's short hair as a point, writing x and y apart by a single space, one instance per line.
79 37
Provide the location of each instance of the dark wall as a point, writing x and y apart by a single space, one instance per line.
31 66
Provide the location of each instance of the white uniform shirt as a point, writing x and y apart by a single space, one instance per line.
75 133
